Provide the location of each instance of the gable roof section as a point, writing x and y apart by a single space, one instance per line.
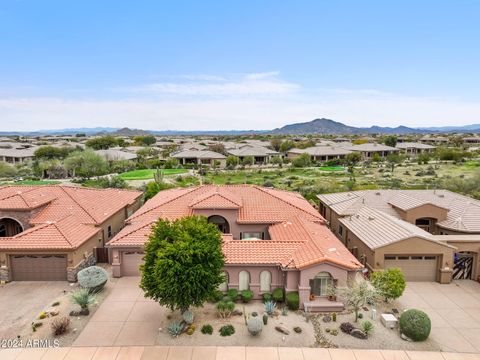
463 212
66 234
216 199
377 229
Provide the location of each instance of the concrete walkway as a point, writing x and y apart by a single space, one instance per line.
222 353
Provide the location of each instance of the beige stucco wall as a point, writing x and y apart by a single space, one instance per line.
278 277
419 246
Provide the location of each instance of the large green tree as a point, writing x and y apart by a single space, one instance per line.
86 164
183 262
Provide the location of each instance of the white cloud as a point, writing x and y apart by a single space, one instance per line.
240 112
249 101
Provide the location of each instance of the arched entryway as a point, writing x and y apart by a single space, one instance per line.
320 284
9 227
221 223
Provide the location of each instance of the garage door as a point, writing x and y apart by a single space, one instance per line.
415 268
131 261
38 267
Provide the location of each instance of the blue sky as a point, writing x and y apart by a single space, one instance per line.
236 65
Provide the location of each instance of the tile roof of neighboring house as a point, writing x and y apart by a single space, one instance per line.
463 212
413 145
71 210
371 147
198 154
298 236
18 153
64 234
251 150
377 229
321 151
114 155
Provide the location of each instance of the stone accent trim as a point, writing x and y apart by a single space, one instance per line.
72 271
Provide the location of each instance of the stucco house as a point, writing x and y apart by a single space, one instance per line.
271 238
200 157
320 153
52 232
415 148
432 235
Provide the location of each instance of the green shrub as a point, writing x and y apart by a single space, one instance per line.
216 296
92 278
293 300
227 330
247 295
278 295
415 324
389 283
233 293
266 297
225 308
207 329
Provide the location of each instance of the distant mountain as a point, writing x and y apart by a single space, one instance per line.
464 128
330 127
317 126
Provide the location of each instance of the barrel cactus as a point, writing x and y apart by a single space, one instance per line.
92 278
254 325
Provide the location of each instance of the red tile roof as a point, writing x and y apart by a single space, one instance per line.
66 216
298 235
65 234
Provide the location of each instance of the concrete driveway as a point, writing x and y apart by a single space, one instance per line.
22 301
454 310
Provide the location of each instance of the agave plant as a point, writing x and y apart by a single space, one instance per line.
83 298
270 307
175 328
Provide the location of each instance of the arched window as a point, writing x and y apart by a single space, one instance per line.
9 227
243 280
224 286
221 223
320 284
265 281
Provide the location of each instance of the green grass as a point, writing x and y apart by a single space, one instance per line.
145 174
35 182
331 168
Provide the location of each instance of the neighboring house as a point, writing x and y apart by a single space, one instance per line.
260 154
52 232
369 149
415 148
320 153
116 155
472 140
200 157
432 235
271 238
440 140
17 156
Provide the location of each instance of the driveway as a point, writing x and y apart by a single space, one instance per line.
21 302
454 310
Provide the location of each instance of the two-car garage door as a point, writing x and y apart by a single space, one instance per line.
38 267
415 268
